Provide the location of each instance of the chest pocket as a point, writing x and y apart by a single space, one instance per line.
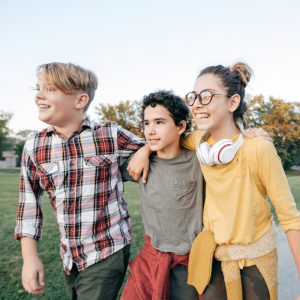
99 169
182 192
52 174
99 161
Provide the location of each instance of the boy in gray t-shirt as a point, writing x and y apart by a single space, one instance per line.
171 203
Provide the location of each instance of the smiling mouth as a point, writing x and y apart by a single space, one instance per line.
43 106
202 116
153 141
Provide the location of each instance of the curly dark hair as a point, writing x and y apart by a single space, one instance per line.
177 108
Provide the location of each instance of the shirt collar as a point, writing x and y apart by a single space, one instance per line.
85 124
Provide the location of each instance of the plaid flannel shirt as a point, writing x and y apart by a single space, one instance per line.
81 177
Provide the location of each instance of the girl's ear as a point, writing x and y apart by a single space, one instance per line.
234 102
182 127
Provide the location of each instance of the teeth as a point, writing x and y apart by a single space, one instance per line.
44 106
202 115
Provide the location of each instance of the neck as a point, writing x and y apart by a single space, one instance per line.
68 129
227 130
169 152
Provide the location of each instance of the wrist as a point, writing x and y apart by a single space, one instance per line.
29 249
147 150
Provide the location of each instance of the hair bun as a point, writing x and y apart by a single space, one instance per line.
244 71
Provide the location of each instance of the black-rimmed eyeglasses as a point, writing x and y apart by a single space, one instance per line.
205 97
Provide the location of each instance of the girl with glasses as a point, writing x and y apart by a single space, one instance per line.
235 257
238 245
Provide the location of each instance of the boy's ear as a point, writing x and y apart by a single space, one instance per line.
234 102
182 127
82 101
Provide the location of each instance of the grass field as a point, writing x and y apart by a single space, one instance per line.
48 247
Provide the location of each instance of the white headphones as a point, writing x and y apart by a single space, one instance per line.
222 153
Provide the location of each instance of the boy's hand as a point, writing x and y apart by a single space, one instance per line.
32 269
258 132
140 163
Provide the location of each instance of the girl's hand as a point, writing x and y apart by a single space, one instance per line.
259 132
140 163
298 298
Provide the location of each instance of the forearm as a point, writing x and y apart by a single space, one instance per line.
140 163
29 249
294 242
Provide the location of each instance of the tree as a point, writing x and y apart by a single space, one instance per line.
4 131
125 114
21 137
281 120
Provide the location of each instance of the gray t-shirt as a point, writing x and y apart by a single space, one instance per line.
171 201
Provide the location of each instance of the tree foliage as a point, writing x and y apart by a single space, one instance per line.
125 114
4 131
21 136
281 120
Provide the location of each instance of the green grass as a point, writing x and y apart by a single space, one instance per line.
49 246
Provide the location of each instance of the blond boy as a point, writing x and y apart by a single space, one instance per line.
76 161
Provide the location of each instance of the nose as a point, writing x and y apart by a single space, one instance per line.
150 129
197 102
40 96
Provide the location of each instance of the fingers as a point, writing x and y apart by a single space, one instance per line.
145 175
33 288
136 175
42 279
36 288
251 129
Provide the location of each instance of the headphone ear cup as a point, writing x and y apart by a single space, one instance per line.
203 154
221 152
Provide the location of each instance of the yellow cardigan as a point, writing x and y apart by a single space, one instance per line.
236 208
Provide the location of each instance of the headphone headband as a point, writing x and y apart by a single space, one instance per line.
222 152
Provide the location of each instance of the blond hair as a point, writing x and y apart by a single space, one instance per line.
70 78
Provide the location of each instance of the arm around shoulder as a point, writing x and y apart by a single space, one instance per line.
124 172
191 141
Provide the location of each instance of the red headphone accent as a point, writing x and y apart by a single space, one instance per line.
221 151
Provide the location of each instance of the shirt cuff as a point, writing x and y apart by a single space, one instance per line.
32 232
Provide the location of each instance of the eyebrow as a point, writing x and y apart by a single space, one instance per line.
156 119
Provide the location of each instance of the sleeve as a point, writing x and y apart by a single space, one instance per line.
274 180
124 172
29 215
191 141
128 142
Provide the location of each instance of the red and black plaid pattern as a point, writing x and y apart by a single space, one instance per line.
81 177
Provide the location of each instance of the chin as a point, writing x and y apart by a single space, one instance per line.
45 120
154 148
203 126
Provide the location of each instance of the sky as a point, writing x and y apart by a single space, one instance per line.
137 47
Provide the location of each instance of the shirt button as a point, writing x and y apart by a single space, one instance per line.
70 210
72 189
71 164
71 231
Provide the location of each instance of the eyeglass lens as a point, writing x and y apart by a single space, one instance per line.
205 98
